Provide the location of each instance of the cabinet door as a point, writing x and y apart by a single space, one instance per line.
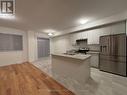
94 60
84 35
90 36
73 38
118 28
93 36
105 31
79 35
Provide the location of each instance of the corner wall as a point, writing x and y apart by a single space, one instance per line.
29 52
32 44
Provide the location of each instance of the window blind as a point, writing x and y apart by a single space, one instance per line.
10 42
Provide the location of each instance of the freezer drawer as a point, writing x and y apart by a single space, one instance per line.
113 64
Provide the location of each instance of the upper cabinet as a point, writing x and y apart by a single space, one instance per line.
73 38
93 35
105 31
81 35
84 35
118 28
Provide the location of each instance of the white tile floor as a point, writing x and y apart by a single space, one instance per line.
100 83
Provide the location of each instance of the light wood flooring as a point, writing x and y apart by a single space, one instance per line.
25 79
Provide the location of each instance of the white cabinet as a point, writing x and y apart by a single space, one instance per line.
94 60
105 31
79 35
73 38
84 35
93 36
90 36
118 28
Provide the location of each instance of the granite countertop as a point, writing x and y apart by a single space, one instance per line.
93 52
76 56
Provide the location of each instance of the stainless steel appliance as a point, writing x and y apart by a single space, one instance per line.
83 50
113 54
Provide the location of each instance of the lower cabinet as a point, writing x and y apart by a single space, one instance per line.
94 60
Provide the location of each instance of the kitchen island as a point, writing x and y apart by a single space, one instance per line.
75 67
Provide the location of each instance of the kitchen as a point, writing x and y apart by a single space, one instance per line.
92 38
105 44
63 47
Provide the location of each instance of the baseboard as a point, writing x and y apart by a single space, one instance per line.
14 64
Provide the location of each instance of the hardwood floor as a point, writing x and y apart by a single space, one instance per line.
25 79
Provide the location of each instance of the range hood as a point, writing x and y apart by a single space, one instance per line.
81 41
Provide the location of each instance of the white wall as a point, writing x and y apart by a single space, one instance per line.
29 52
60 44
13 57
32 44
42 35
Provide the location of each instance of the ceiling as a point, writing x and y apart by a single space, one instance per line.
59 15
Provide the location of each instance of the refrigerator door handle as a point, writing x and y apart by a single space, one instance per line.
101 48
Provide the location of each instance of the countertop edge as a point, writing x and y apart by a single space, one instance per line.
78 57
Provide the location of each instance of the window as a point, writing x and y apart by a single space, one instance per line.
10 42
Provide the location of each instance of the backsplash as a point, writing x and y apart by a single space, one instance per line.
92 47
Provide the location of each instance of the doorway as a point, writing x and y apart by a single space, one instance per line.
43 45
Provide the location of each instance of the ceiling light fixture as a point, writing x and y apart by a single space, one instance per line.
83 21
50 34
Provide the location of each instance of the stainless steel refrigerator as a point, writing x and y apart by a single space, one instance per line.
113 54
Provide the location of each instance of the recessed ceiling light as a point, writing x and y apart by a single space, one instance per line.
83 21
50 34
